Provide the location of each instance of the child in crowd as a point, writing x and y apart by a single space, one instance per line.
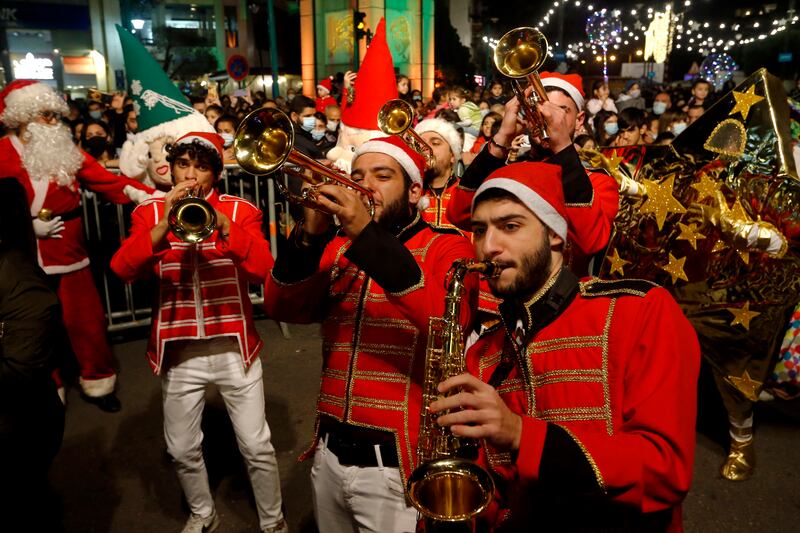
468 112
226 128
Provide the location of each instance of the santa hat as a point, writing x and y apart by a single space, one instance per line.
210 140
161 109
571 83
411 161
325 84
375 84
446 130
537 186
22 100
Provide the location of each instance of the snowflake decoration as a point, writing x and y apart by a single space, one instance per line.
150 99
136 87
137 108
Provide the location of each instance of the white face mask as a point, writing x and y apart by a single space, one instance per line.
659 108
317 135
332 125
309 123
635 93
678 128
227 139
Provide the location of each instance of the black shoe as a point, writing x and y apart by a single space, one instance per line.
108 403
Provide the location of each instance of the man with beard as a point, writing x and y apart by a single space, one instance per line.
41 155
374 287
592 198
439 181
585 391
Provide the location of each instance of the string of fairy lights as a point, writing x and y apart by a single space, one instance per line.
686 32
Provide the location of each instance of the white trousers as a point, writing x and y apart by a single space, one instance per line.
183 392
350 499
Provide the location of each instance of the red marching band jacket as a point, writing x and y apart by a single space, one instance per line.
67 254
607 383
374 340
434 213
202 287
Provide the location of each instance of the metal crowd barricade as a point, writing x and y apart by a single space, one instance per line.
106 225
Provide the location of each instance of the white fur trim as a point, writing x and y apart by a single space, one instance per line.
396 153
446 130
24 103
538 205
94 388
62 395
567 86
135 152
424 203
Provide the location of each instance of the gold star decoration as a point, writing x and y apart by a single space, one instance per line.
613 161
675 268
718 247
705 187
689 233
747 385
744 101
660 201
617 263
742 315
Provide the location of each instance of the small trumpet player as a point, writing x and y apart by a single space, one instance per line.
203 330
374 287
585 392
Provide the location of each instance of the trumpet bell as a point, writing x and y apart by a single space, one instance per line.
192 219
450 490
263 141
520 52
395 117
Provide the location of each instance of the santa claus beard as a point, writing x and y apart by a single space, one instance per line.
50 154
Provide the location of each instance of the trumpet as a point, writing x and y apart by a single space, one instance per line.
264 143
192 219
519 54
395 118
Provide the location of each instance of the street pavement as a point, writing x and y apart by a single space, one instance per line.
113 474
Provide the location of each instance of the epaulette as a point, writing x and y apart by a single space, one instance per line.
622 287
149 201
232 198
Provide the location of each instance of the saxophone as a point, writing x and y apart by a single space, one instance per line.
445 486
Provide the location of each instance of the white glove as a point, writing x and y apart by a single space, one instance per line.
138 196
48 229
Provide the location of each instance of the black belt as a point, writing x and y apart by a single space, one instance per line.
47 214
355 446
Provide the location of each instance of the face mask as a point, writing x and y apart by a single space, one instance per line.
317 135
227 139
417 97
635 93
678 128
659 108
611 128
95 146
332 125
309 123
96 114
289 97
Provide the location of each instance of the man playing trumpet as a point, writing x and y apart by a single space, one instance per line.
203 330
374 287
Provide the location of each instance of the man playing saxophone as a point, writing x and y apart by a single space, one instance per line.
584 392
374 287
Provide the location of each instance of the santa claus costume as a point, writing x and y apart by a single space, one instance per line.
41 155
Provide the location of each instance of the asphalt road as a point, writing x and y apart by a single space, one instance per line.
113 475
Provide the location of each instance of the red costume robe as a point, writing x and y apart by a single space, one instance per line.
66 257
374 296
434 213
605 381
202 287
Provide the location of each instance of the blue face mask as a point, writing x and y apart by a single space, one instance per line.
309 123
317 135
678 128
227 139
96 114
659 108
612 128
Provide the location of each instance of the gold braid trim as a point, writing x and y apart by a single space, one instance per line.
597 474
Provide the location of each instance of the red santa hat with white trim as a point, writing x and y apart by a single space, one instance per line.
410 160
325 84
446 131
209 140
22 100
572 84
537 186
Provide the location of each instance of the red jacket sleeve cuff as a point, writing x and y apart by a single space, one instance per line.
237 244
531 444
